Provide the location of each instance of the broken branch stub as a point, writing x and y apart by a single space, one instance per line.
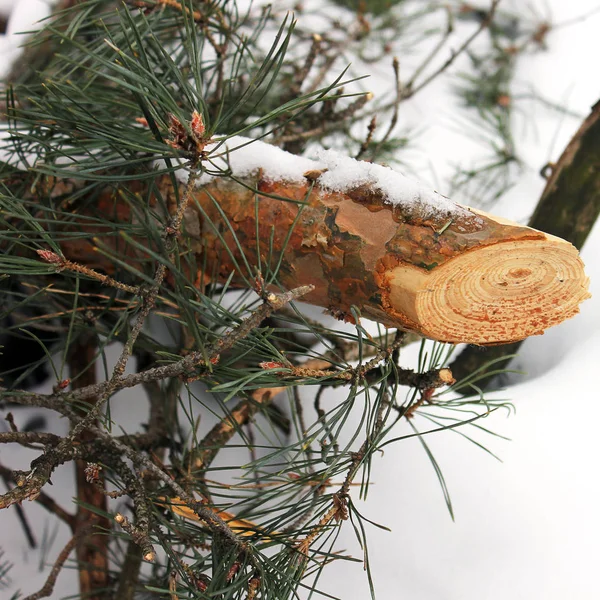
406 258
473 278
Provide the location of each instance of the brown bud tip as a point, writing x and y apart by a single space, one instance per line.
198 125
174 122
503 100
235 567
50 257
150 556
253 585
202 583
271 364
177 133
119 518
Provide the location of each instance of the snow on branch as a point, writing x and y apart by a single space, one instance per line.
243 157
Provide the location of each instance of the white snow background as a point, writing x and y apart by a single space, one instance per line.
526 528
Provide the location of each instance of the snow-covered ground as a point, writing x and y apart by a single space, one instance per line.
526 528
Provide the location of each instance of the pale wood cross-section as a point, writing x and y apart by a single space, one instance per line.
493 294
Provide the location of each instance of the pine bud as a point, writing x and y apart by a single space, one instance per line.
271 364
198 128
50 257
177 134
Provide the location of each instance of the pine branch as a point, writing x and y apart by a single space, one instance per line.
409 251
31 483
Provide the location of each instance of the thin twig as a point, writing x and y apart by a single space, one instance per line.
21 516
410 89
436 49
186 365
63 264
370 131
339 508
302 73
48 587
396 110
330 123
43 500
201 457
26 438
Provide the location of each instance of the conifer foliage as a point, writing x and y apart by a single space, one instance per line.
262 420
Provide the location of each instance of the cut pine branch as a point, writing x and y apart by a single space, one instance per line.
367 237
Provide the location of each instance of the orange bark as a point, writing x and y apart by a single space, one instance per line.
469 278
